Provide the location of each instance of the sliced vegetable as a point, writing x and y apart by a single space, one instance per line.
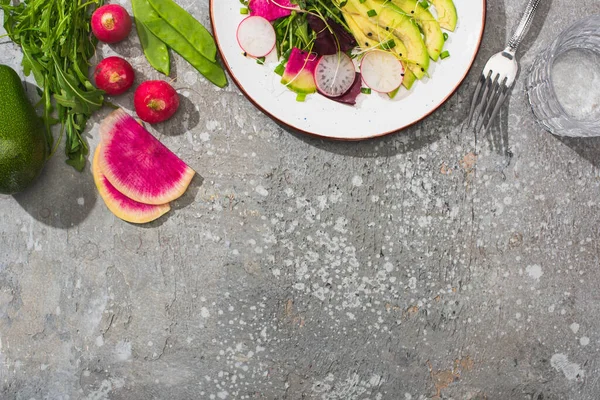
299 72
256 36
271 9
334 74
381 71
331 36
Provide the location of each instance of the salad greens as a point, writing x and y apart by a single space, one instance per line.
55 38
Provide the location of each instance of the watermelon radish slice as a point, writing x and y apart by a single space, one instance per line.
137 164
271 9
119 204
381 71
256 36
299 72
334 74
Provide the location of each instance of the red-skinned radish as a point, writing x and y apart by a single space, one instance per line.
256 36
334 74
381 71
155 101
114 75
111 23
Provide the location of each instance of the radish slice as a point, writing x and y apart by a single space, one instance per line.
256 36
335 74
381 71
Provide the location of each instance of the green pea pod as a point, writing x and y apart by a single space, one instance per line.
188 26
165 32
155 50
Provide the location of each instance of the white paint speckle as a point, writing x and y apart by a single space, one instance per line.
412 282
584 341
99 341
276 272
574 327
357 181
561 363
204 136
534 271
123 350
81 201
204 312
262 191
508 200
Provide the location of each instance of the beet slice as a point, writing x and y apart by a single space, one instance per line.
350 96
325 43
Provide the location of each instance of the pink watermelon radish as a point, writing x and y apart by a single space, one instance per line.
299 72
271 9
137 164
256 36
119 204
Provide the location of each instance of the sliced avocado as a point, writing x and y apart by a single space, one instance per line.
434 38
446 12
392 18
369 36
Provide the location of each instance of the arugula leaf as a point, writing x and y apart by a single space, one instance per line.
55 38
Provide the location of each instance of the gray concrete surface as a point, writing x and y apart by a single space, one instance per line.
417 266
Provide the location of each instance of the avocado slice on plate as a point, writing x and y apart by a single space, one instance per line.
446 12
392 18
370 36
434 38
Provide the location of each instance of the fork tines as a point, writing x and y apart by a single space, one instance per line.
484 108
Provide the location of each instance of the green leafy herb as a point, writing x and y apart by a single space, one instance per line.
55 38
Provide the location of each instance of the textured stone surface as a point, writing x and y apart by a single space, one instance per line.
418 265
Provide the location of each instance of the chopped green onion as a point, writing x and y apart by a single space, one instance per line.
244 10
445 36
393 93
361 1
390 44
260 60
301 97
365 90
424 4
445 54
343 3
371 13
280 69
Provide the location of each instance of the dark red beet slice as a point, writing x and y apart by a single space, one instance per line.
350 96
326 43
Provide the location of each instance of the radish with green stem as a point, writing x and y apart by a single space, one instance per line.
381 71
256 36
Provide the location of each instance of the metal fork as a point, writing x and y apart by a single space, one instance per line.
498 76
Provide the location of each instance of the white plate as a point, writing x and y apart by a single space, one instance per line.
373 115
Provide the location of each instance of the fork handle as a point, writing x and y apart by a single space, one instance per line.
523 26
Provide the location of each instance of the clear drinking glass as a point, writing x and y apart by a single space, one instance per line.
563 85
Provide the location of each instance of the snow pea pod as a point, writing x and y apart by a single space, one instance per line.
184 23
155 50
165 32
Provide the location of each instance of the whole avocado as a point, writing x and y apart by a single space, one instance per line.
23 147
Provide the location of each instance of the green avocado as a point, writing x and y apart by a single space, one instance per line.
446 12
23 147
370 36
434 38
393 18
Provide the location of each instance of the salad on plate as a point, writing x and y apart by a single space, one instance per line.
342 48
